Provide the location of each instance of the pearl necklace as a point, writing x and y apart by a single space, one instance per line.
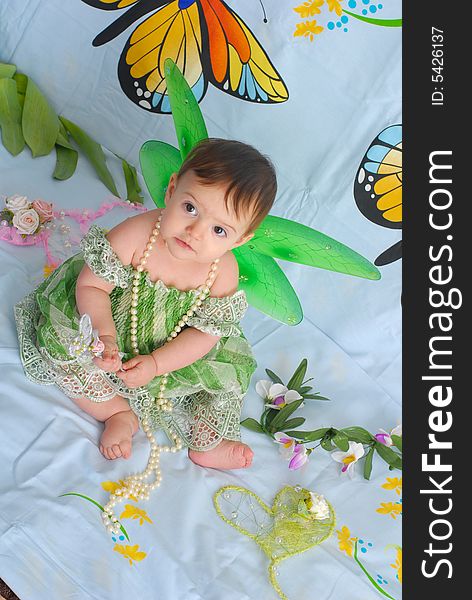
135 485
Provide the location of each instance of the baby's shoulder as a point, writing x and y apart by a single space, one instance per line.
132 234
227 279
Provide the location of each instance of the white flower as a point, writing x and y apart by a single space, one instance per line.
287 444
26 221
318 506
276 395
397 431
349 458
16 203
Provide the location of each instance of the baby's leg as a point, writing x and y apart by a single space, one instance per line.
226 455
120 425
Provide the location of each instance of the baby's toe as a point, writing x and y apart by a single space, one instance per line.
248 455
116 450
125 449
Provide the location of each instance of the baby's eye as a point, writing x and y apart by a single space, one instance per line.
218 231
192 207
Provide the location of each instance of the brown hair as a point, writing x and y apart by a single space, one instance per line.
251 178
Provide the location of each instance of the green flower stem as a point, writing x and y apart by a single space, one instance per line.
125 533
380 22
370 578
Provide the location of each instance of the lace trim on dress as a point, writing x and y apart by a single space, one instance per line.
220 316
102 259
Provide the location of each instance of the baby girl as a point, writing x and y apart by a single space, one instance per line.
161 288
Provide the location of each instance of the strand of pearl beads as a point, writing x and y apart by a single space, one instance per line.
204 291
135 486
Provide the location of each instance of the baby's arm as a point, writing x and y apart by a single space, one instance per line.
190 345
93 294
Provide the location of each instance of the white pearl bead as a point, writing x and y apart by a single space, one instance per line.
140 268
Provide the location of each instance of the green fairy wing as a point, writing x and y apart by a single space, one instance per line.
188 120
158 161
292 241
267 287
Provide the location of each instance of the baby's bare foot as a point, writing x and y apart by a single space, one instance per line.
117 435
227 455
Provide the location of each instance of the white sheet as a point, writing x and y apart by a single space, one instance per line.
344 89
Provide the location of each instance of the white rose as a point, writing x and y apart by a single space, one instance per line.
319 507
16 203
26 221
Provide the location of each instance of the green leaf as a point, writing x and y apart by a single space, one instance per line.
283 415
327 445
275 378
315 397
388 455
304 389
296 422
309 436
253 425
66 162
341 441
10 117
21 84
297 378
7 70
358 434
397 441
368 463
93 152
63 138
40 123
132 184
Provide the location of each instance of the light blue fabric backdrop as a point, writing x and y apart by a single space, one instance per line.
344 90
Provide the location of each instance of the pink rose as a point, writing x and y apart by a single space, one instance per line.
26 221
44 210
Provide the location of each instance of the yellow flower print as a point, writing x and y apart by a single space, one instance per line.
48 269
393 483
390 508
308 29
336 6
111 487
397 565
309 9
133 512
345 540
130 552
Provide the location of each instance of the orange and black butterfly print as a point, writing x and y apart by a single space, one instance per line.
208 42
378 186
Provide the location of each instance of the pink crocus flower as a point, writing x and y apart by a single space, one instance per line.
384 438
299 458
349 458
287 444
276 395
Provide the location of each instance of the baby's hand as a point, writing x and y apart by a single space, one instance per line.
138 371
110 360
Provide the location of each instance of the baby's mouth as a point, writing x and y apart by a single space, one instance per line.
183 244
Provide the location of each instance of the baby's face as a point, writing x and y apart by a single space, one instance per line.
196 215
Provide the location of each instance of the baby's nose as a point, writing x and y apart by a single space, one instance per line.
196 230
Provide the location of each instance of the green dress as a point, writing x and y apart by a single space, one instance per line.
206 395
